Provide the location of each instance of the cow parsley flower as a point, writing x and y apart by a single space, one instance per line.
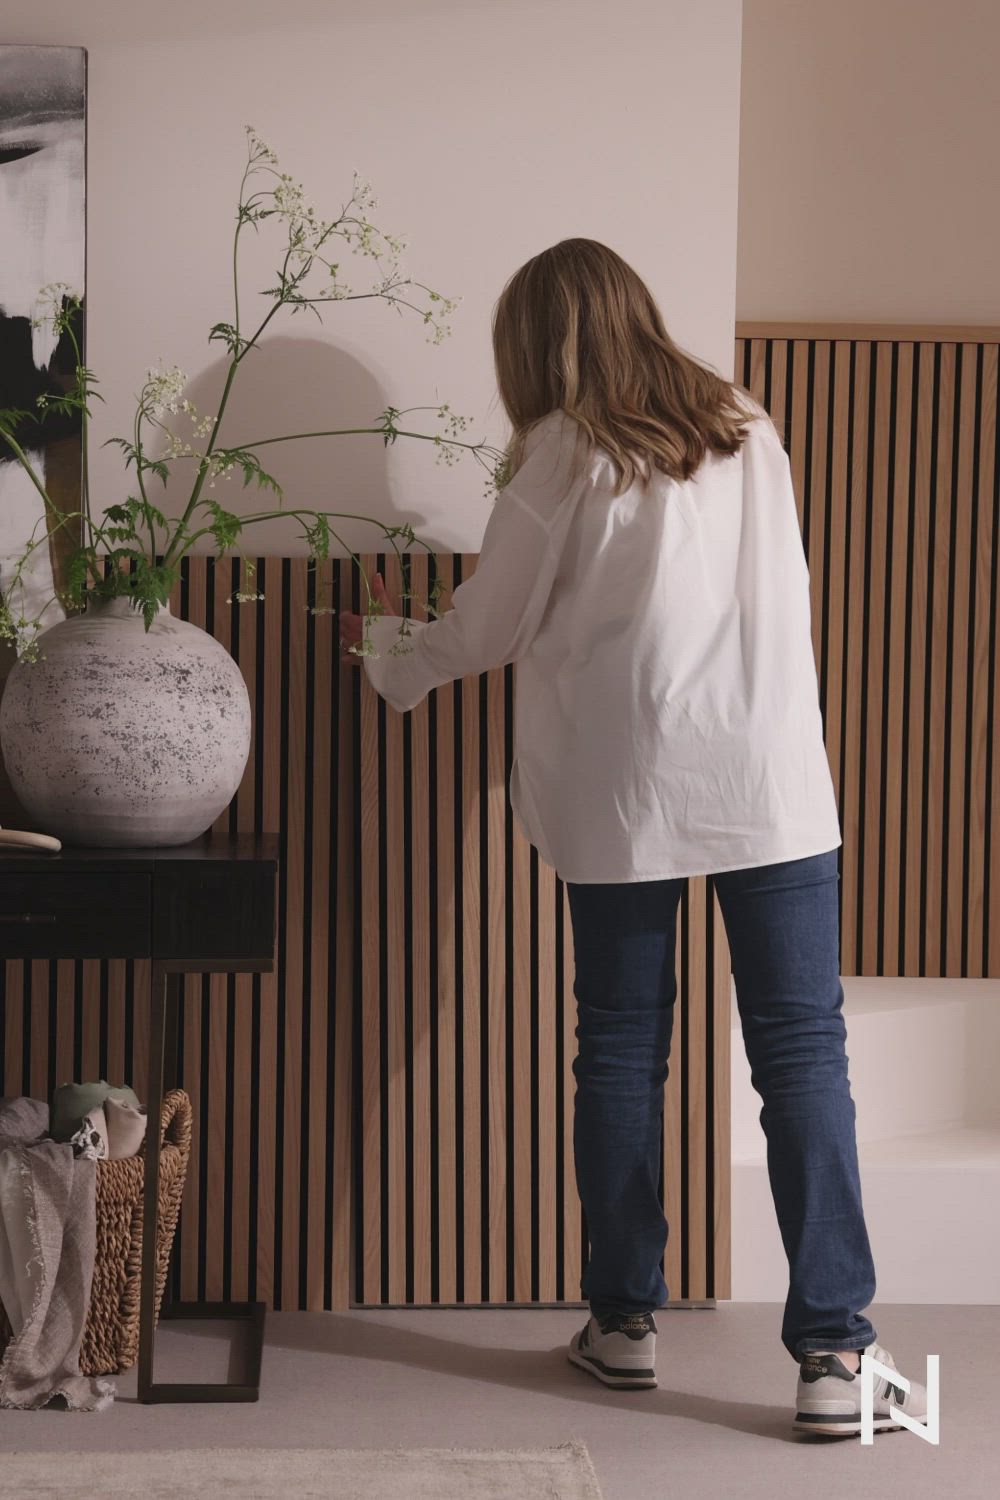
258 149
163 390
363 195
50 297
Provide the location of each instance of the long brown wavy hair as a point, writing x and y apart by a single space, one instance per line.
576 328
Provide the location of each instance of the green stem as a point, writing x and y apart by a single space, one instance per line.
203 466
142 487
27 467
298 514
84 437
285 515
428 437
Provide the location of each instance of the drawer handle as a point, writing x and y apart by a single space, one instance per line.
28 916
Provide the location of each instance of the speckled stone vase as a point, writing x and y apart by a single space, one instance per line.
117 736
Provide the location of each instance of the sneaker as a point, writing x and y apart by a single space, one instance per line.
829 1395
619 1349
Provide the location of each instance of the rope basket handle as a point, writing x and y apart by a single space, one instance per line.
175 1119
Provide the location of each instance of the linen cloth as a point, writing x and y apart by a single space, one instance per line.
666 704
48 1240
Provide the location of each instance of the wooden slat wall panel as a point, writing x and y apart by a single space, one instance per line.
892 438
389 1116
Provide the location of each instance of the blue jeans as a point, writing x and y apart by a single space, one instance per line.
782 927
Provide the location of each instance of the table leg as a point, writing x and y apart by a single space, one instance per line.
166 991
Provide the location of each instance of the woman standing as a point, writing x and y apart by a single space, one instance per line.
644 567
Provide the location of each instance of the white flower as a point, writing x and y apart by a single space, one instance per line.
50 297
289 198
163 390
454 423
363 195
178 448
259 150
201 426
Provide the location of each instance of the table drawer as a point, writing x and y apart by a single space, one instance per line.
53 915
216 914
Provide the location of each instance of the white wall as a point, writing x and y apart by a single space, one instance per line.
489 130
868 161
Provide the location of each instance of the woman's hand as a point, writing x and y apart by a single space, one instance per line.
352 626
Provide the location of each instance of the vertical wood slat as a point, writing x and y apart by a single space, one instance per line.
524 1089
342 902
394 999
269 798
442 710
368 1080
471 1227
238 626
499 1062
544 1084
897 481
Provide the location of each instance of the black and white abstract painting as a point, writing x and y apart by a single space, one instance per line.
42 243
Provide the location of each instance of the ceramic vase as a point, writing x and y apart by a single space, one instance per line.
118 736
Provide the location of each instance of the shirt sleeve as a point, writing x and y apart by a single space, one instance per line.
771 472
495 612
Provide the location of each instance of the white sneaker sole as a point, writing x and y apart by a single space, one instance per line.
844 1426
642 1379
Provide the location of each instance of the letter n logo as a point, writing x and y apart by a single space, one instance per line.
931 1431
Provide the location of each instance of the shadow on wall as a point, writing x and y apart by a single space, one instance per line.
302 385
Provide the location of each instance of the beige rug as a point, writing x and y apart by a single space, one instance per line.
305 1474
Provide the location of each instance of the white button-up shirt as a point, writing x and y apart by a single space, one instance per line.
666 705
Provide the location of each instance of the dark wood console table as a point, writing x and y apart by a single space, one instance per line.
203 907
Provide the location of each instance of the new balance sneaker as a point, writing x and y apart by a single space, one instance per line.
829 1395
619 1350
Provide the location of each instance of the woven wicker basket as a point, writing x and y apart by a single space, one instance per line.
110 1341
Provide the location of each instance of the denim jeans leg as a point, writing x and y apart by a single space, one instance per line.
624 938
782 925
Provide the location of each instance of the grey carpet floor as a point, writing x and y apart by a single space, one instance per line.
719 1420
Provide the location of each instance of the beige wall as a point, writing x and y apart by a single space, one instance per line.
868 171
488 130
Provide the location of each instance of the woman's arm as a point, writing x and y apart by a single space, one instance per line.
496 612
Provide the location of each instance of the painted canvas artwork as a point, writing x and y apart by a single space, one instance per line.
43 240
